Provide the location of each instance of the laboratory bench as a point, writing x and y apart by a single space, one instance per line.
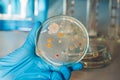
11 40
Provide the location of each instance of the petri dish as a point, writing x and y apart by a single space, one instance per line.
62 40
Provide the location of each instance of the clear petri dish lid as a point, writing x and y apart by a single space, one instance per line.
62 40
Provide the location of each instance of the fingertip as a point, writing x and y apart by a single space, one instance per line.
64 68
77 66
31 38
37 24
35 27
56 76
65 72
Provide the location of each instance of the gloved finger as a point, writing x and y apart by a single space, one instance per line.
42 65
77 66
41 76
56 76
31 38
65 72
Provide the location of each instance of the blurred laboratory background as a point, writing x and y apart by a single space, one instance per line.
100 17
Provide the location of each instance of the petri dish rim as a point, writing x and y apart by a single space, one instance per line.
54 18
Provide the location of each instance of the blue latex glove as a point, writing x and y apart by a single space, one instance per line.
24 64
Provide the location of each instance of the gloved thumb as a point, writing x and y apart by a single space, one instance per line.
31 38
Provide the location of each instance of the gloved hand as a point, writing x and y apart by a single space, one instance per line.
24 64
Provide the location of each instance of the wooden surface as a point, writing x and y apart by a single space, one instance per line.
9 41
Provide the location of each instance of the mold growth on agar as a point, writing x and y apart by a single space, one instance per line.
71 47
49 45
59 41
57 55
81 48
53 28
72 21
80 54
80 44
49 40
61 34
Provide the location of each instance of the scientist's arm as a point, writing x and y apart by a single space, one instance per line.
24 64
